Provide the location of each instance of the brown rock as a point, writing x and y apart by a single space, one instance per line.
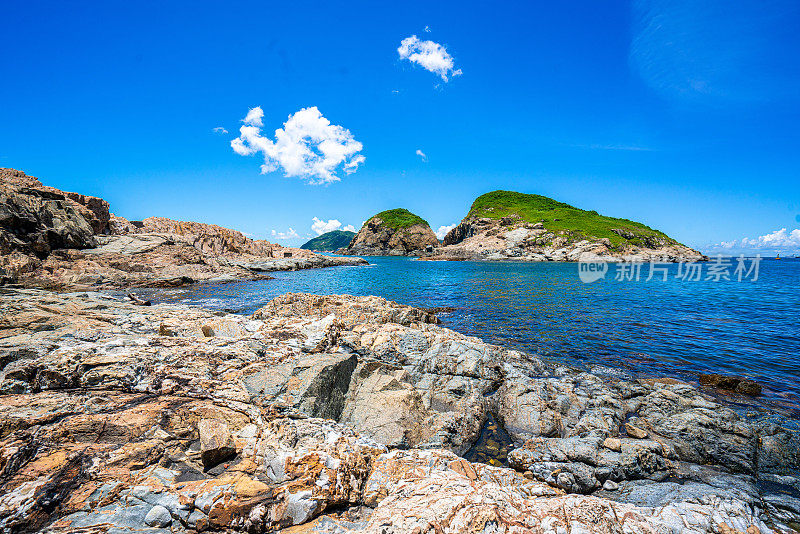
635 431
216 442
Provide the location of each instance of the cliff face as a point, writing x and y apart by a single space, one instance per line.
68 241
36 219
394 233
507 225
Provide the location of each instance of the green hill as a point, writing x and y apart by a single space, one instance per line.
400 218
557 216
329 241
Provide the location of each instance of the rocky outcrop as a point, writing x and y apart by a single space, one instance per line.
349 414
34 219
393 233
68 241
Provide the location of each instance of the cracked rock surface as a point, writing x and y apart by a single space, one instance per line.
351 414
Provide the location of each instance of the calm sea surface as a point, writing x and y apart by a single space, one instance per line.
675 328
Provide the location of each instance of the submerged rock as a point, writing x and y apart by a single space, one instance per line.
731 383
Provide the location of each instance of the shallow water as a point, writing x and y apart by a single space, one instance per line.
674 328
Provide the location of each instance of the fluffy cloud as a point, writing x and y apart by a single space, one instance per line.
349 228
422 155
782 240
254 117
219 130
320 227
308 146
291 234
431 56
442 231
777 239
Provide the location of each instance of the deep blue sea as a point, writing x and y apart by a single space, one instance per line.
674 328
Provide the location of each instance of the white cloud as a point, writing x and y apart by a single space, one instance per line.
320 227
427 29
422 155
291 234
349 228
782 240
254 117
308 146
431 56
219 130
442 231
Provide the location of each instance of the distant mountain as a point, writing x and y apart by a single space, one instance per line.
329 241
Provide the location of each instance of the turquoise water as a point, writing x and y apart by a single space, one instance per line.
672 328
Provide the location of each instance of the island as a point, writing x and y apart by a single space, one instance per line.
507 225
396 232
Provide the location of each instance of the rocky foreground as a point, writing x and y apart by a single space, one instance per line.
344 414
67 241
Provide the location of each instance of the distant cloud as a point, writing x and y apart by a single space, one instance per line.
308 146
714 50
443 230
629 148
395 91
320 227
349 228
422 155
783 241
431 56
219 130
291 234
427 29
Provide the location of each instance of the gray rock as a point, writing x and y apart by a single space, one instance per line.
158 516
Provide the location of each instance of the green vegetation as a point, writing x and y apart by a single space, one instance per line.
329 241
560 217
400 218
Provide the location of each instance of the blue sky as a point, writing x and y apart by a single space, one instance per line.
683 115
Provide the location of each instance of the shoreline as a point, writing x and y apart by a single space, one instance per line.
395 387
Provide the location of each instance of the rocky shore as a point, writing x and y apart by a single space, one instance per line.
353 414
67 241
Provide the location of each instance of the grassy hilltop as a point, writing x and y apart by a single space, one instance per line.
399 218
329 241
557 216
